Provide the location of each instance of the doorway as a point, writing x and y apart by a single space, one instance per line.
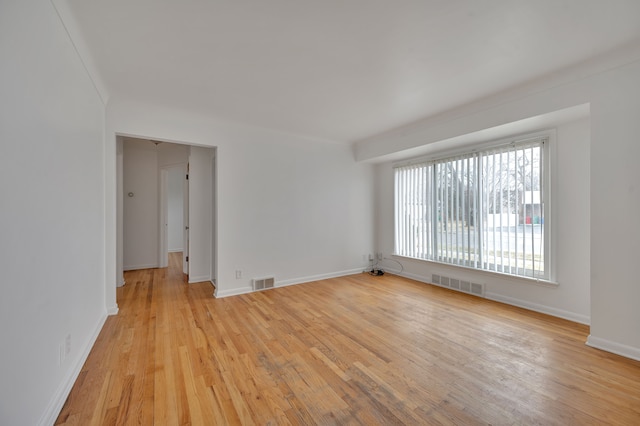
174 213
150 199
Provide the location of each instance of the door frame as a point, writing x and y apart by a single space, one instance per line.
185 220
119 219
163 223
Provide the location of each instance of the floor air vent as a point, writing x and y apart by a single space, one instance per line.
263 283
458 285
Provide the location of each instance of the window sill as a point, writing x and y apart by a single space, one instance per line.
526 280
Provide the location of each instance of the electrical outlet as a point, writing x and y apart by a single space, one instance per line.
238 274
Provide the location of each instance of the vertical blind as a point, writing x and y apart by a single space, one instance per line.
482 210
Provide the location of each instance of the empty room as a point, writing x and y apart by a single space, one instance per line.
323 212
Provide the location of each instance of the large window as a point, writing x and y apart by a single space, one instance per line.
482 209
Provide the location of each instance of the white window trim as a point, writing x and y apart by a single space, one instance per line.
549 197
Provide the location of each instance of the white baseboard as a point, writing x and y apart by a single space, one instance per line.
411 276
614 347
199 279
285 283
543 309
62 393
232 292
560 313
136 267
113 310
319 277
174 250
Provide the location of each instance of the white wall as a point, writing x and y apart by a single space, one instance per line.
294 208
611 86
570 184
171 154
120 211
175 208
615 203
52 213
571 193
200 214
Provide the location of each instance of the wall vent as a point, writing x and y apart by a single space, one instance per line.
477 289
454 284
263 283
458 285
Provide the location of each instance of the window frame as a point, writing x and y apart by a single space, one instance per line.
548 153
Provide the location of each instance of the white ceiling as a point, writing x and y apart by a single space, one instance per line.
340 70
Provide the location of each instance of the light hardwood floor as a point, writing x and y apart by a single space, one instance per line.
352 350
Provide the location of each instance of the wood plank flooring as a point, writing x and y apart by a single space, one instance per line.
352 350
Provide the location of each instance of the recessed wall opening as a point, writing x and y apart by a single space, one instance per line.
165 203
